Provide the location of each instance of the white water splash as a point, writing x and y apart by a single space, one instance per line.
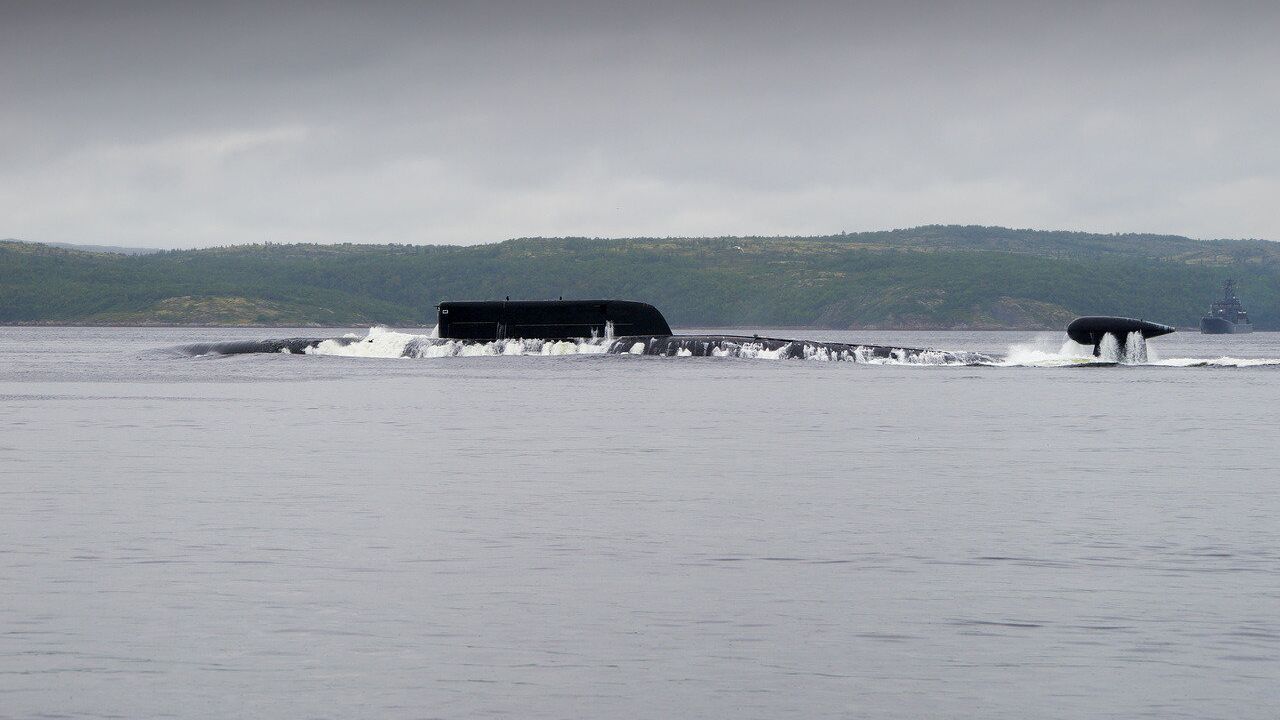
1047 351
381 342
385 343
1043 351
1135 349
1132 352
1109 349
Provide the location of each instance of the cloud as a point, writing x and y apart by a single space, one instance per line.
177 125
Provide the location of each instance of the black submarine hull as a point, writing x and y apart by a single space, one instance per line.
639 328
288 346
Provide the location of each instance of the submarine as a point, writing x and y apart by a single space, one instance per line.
638 328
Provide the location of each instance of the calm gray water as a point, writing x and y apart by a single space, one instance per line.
633 537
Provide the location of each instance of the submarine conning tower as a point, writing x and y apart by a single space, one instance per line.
548 319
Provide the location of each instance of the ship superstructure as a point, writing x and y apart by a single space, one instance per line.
1226 316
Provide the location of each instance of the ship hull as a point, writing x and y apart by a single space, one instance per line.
1220 326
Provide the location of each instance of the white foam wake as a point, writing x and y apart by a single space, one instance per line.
1050 351
1047 351
381 342
1043 351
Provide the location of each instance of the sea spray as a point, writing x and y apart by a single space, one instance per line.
1109 349
387 343
1048 351
381 342
1135 349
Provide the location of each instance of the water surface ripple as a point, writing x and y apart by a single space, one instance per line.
633 537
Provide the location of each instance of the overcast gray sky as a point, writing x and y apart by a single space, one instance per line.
191 124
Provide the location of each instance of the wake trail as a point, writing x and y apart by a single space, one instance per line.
1045 351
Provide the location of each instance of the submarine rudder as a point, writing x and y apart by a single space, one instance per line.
1093 329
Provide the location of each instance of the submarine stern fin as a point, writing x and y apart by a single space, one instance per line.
1093 329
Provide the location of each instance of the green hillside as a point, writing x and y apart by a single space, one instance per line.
927 277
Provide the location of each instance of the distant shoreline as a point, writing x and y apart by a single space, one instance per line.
931 278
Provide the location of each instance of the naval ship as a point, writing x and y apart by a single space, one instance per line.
1226 316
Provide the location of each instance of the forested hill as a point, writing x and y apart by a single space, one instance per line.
926 277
